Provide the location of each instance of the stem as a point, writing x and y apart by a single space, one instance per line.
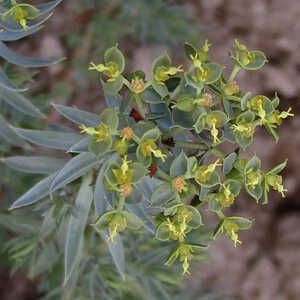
181 239
235 70
139 105
220 215
191 145
121 203
198 91
234 98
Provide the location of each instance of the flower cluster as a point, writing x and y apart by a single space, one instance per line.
157 149
198 111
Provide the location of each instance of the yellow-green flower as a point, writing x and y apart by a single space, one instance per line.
201 54
181 220
231 229
231 88
123 174
21 12
213 121
244 129
163 73
185 253
100 133
116 224
148 147
121 144
276 182
204 100
257 104
253 178
202 73
203 173
110 69
276 117
243 54
225 197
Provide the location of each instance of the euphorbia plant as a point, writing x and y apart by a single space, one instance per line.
155 156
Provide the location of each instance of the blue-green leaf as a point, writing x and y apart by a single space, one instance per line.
228 162
9 135
50 139
7 36
25 61
19 223
76 226
20 103
82 145
34 164
162 195
116 250
73 169
77 116
140 210
179 166
36 193
47 7
6 83
100 193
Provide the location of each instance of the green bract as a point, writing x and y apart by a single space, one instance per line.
153 156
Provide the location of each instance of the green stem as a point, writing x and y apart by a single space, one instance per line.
139 105
181 239
234 98
191 145
235 70
121 203
220 214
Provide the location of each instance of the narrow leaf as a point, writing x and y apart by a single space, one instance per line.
9 135
49 139
6 83
47 7
25 61
116 250
76 226
77 116
20 103
100 193
36 193
8 36
34 164
82 145
74 168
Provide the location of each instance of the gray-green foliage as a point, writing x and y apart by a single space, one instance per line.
60 225
10 93
150 162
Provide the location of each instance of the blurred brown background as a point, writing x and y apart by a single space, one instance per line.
267 265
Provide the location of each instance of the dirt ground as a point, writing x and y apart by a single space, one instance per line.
267 265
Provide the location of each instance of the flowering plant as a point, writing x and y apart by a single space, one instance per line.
155 157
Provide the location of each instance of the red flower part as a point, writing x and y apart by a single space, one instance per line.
136 115
152 169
